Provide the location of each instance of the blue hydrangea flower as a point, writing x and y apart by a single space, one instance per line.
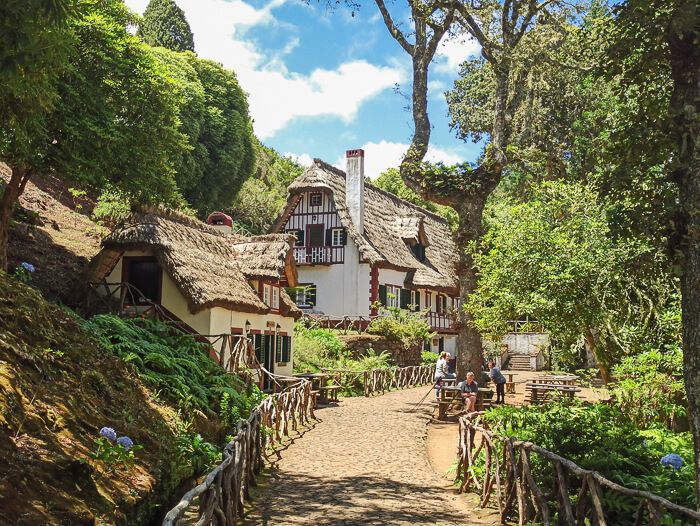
109 433
125 442
672 461
27 266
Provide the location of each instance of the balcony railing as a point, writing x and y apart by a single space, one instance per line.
439 321
319 255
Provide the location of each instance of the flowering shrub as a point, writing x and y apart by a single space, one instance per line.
113 450
673 461
23 272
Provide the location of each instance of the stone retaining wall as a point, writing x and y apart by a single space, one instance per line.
358 345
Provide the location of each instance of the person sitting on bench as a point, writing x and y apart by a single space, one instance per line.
469 390
441 372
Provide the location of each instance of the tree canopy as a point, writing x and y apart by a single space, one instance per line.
164 24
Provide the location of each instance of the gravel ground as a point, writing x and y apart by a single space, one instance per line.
365 462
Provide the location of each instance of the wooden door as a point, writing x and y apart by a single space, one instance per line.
315 235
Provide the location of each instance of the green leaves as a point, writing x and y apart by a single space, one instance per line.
164 24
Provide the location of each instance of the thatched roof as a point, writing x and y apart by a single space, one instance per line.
210 268
391 225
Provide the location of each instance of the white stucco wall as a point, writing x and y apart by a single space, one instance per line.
341 289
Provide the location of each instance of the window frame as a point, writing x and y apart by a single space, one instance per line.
275 297
393 296
339 241
313 196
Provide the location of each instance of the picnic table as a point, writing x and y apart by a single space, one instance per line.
285 382
319 388
556 379
543 392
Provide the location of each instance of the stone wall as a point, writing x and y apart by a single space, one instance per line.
358 345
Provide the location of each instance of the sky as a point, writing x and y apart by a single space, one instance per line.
321 81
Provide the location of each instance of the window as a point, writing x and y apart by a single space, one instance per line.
316 199
284 349
393 296
144 274
304 295
418 251
441 304
428 300
337 237
275 298
299 235
266 294
415 300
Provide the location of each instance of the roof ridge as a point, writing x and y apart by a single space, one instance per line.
324 165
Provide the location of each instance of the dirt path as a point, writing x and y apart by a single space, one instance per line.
364 463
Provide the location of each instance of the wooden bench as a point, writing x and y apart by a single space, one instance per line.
314 399
510 387
542 393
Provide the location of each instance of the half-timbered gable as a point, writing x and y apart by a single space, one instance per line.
357 244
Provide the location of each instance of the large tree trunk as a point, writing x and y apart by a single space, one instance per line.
600 358
470 356
12 191
683 35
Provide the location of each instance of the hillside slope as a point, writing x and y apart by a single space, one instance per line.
52 231
57 389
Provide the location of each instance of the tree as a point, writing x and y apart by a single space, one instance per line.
164 24
498 27
33 53
225 149
113 118
553 257
261 198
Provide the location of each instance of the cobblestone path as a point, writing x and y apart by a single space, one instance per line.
365 462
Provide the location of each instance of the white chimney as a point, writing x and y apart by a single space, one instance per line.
355 187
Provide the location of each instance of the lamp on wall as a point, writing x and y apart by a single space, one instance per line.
278 327
247 327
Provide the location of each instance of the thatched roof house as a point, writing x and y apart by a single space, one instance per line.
357 245
209 268
391 227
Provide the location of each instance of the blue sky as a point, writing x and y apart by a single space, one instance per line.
321 82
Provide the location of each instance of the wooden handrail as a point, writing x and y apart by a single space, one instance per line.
520 492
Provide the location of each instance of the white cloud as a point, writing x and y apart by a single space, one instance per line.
379 156
277 96
452 51
304 159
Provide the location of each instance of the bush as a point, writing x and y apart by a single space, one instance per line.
409 328
170 362
428 358
650 388
601 438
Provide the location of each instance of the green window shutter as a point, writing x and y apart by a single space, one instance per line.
286 348
258 344
405 298
382 294
300 238
278 351
344 237
329 237
417 300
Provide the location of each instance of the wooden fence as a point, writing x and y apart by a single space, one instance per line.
383 380
506 471
219 500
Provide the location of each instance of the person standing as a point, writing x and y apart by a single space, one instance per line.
500 381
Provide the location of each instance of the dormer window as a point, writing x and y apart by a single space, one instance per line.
338 237
316 199
271 295
418 250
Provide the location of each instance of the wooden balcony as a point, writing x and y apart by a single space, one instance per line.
440 322
319 255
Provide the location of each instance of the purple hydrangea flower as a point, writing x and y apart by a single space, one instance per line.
125 442
109 433
672 461
27 266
